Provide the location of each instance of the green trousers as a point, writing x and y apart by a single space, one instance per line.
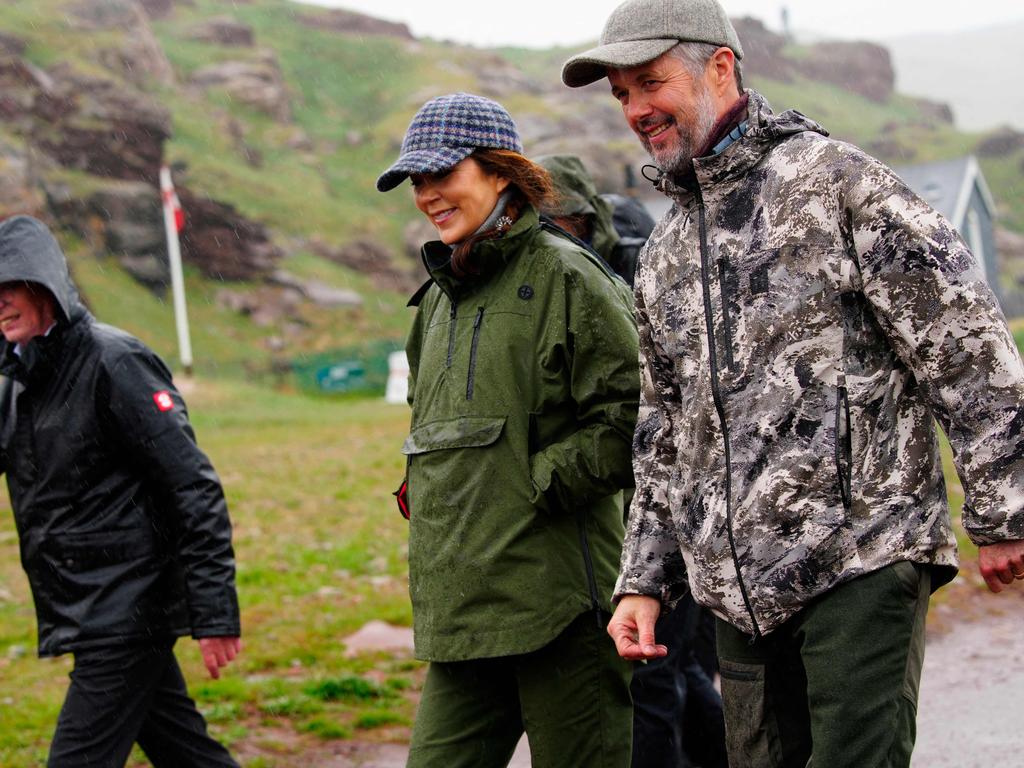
571 697
835 686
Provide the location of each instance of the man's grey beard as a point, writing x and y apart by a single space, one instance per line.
691 138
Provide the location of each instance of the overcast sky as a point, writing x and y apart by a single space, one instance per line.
543 23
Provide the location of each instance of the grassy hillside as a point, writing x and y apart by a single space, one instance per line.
351 97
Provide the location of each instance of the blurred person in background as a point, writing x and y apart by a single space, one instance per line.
804 320
614 226
122 523
677 712
523 385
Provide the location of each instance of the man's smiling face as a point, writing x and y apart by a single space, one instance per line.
669 110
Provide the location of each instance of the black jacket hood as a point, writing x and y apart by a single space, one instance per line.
28 251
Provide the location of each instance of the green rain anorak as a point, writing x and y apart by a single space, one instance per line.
524 388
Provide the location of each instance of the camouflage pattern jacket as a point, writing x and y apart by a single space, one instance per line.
803 316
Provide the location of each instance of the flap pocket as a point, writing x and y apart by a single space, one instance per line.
96 549
462 432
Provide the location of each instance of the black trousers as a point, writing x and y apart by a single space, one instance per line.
124 694
677 713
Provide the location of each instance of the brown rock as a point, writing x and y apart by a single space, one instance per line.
11 45
224 30
258 83
20 84
222 242
139 57
891 151
1000 143
863 68
19 192
267 306
349 22
498 78
378 636
762 50
161 9
935 111
371 259
121 218
100 127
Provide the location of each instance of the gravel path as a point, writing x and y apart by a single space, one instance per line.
971 713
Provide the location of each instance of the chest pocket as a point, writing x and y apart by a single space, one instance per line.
476 348
773 297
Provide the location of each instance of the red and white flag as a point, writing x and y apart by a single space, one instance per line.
170 198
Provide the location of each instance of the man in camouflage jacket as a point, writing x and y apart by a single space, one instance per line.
803 317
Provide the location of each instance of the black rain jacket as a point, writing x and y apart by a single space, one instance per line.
122 522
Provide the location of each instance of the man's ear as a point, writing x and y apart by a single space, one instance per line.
720 69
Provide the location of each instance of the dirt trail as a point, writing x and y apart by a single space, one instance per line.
970 713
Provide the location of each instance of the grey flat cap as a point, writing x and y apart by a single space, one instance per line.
639 31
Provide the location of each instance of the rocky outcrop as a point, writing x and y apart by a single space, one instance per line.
863 68
10 45
257 82
349 22
370 259
266 307
933 112
120 218
763 54
101 128
138 56
498 78
21 84
19 192
224 30
1001 143
161 9
319 293
223 243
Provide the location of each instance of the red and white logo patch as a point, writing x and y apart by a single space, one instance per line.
164 401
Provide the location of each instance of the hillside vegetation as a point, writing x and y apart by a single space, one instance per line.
305 107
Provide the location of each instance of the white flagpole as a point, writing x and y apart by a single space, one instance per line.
177 278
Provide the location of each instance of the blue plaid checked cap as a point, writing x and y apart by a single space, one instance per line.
445 132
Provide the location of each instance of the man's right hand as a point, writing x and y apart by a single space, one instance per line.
632 628
217 652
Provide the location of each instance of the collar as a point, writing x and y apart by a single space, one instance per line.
18 347
491 255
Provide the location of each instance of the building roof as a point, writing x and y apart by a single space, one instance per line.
947 186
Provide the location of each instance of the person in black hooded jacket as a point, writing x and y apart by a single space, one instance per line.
121 519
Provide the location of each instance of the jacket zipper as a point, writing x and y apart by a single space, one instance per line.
716 394
723 285
581 524
844 443
451 333
472 352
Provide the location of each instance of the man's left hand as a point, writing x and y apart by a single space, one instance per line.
1001 563
218 651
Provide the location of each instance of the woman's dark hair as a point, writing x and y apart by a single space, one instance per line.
529 184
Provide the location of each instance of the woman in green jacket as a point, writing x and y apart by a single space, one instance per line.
524 388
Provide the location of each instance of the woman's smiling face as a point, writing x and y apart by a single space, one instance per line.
459 200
